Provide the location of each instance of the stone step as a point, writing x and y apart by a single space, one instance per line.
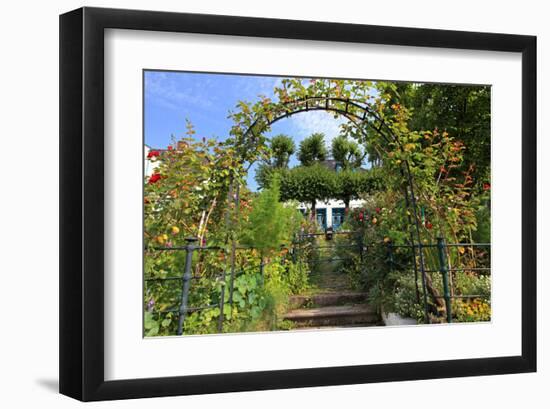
335 316
330 327
327 299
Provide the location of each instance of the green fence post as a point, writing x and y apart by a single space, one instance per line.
262 270
297 255
189 249
390 255
293 250
222 301
444 276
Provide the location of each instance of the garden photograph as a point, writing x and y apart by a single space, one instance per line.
277 203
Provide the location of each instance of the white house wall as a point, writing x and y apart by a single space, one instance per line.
148 166
332 204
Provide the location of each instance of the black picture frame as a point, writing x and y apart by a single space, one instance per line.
82 212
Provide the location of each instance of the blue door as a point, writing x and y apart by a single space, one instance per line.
337 217
321 215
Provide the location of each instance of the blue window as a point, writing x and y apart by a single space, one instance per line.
321 215
337 217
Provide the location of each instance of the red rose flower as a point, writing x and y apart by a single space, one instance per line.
378 210
486 186
155 177
153 154
429 225
170 147
361 216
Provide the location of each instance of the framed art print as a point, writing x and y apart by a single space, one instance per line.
253 204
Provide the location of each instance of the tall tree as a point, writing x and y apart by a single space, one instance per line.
312 149
346 152
282 148
264 175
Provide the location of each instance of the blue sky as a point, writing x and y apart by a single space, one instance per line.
207 99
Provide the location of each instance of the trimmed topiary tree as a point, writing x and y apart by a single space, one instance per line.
307 184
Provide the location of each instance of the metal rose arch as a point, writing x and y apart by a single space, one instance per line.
362 115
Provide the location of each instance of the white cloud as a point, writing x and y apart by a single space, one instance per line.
306 123
164 90
250 87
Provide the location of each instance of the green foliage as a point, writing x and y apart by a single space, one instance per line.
403 300
469 283
312 150
297 277
150 325
264 174
270 224
307 184
482 233
262 301
346 152
461 110
391 285
282 148
350 185
184 194
189 197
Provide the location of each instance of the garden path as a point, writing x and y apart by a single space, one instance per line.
331 302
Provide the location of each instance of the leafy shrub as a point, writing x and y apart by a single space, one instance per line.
297 277
472 284
270 224
404 301
482 234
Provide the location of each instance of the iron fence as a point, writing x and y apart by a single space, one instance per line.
398 257
183 309
444 266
